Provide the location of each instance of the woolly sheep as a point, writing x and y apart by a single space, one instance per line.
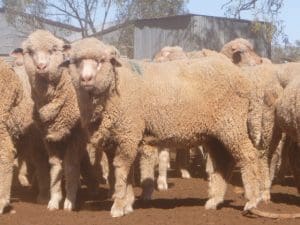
242 53
13 122
56 113
134 105
30 146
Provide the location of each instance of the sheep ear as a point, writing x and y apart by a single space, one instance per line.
65 63
66 47
115 62
17 52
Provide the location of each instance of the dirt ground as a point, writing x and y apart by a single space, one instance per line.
183 204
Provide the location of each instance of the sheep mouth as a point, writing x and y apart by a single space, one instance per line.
87 87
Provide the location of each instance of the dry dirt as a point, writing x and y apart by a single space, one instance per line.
183 204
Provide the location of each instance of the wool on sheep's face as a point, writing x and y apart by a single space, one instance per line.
87 70
43 62
94 75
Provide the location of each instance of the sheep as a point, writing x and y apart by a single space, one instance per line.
169 53
210 96
14 121
30 145
287 121
56 113
242 53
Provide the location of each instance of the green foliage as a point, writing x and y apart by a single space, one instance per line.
261 10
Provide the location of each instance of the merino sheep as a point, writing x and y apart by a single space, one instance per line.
169 53
242 53
14 120
30 146
210 96
56 113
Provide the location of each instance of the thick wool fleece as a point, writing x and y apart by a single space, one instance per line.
13 122
210 96
54 97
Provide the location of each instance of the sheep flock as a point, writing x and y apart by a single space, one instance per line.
79 112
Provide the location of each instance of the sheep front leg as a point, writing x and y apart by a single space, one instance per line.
56 172
7 153
163 165
72 175
123 196
148 161
182 161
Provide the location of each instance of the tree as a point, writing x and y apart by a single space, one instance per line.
84 14
262 10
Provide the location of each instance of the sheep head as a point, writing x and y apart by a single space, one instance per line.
169 53
241 52
43 55
93 64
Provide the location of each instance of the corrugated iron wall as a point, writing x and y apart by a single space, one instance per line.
192 32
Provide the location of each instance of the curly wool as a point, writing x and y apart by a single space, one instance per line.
13 122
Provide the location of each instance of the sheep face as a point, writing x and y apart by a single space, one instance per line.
95 75
43 55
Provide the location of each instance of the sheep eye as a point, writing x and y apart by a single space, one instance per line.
30 52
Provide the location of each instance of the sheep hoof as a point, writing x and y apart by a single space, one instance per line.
266 196
250 205
53 205
162 184
185 174
68 205
3 204
116 211
212 203
128 209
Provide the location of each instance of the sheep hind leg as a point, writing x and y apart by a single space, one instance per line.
182 161
163 165
123 196
219 166
251 176
7 154
148 160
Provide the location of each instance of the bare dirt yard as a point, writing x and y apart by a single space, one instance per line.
182 204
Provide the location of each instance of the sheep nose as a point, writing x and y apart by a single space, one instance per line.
41 66
86 78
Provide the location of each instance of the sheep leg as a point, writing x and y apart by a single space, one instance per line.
23 173
56 172
43 178
219 166
7 154
148 161
75 150
182 161
123 162
163 165
104 166
250 175
242 150
129 193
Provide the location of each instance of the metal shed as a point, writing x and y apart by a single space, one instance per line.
193 32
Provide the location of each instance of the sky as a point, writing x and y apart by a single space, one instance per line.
290 14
